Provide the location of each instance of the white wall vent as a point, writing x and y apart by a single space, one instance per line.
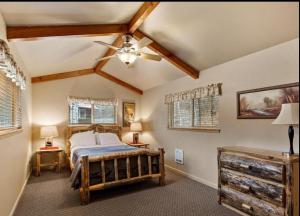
179 156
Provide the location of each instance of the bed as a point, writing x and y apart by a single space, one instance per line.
99 167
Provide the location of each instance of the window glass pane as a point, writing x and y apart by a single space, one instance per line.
183 114
80 113
104 114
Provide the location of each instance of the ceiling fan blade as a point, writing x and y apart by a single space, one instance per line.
106 44
143 42
104 58
150 56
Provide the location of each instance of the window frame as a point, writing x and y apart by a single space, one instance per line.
92 116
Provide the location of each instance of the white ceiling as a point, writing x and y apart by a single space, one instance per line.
56 55
55 13
201 33
209 33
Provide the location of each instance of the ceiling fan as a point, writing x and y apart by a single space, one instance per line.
130 51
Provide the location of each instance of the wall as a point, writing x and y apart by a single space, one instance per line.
273 66
50 107
15 147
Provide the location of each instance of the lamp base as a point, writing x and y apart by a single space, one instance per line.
291 138
135 138
48 142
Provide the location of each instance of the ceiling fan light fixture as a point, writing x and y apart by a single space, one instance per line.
127 57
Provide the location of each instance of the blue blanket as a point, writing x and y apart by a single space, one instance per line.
96 151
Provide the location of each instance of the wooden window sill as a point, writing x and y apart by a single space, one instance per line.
10 131
202 129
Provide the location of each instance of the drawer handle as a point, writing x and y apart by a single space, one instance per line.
245 166
247 206
245 187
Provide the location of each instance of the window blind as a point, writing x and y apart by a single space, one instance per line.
104 114
10 104
183 114
88 111
196 108
194 113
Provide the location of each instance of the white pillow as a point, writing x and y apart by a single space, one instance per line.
83 139
108 139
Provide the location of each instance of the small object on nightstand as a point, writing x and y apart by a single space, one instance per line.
139 145
48 132
136 127
49 150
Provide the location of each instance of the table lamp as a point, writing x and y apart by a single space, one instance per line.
289 115
48 132
136 127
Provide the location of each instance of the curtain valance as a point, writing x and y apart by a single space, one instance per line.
9 66
210 90
98 101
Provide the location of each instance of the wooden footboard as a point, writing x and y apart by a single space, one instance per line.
85 175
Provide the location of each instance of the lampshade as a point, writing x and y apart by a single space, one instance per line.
289 114
49 131
136 127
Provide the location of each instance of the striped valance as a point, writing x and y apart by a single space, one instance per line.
210 90
89 100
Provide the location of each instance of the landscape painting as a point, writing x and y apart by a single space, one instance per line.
265 103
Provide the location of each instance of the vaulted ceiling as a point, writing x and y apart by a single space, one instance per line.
201 34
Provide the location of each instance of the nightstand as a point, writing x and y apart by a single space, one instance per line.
139 145
39 155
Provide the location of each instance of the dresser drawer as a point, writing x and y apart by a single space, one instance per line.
248 204
266 191
255 167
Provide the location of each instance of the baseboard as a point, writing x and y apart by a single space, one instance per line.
195 178
19 196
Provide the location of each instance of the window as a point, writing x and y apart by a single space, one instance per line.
89 111
195 109
10 104
194 113
12 82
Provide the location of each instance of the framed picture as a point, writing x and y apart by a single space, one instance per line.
128 113
265 103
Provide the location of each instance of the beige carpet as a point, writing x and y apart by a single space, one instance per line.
50 194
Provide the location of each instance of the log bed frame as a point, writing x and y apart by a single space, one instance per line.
85 187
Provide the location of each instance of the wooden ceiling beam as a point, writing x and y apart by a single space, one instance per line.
70 74
118 81
63 75
136 21
38 32
140 16
170 57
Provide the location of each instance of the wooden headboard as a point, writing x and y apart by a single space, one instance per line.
94 127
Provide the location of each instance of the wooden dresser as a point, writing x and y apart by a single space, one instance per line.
258 182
